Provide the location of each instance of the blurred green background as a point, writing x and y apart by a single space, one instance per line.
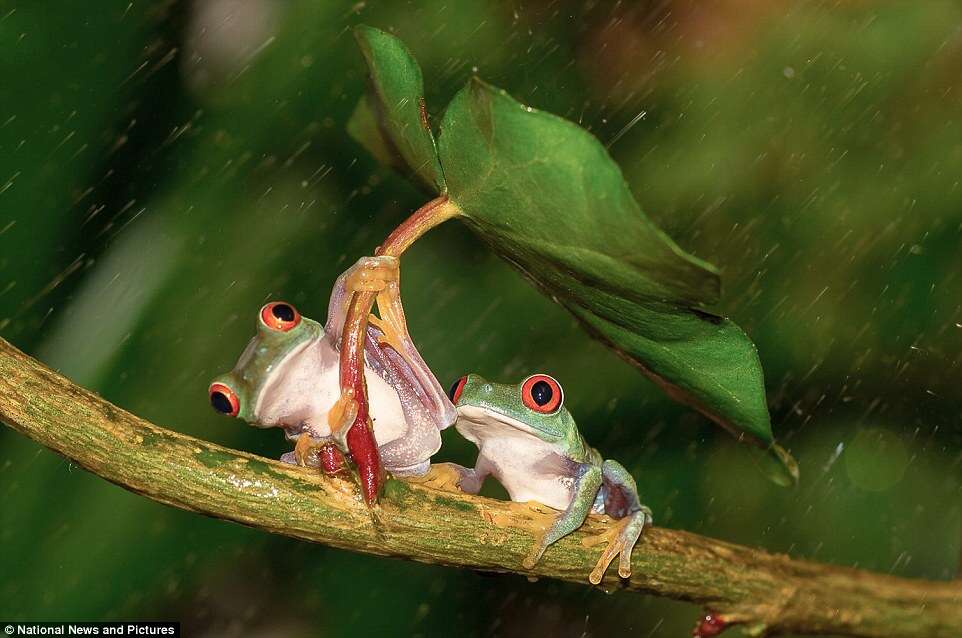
166 167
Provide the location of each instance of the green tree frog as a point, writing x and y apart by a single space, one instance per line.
529 441
288 377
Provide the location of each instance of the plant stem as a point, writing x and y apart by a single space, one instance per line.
766 592
360 436
422 220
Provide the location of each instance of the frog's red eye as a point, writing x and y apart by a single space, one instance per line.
456 388
281 316
542 393
223 399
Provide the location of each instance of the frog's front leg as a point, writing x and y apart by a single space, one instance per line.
587 483
621 502
470 481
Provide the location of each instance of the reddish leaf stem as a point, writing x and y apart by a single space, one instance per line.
332 459
360 436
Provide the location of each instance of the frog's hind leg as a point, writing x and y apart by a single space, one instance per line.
381 275
621 501
587 484
368 274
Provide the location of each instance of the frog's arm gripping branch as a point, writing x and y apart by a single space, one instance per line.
586 486
766 592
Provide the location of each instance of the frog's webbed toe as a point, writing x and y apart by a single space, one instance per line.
368 274
381 275
305 450
621 538
372 274
393 332
586 485
342 415
392 324
445 477
620 501
377 275
291 459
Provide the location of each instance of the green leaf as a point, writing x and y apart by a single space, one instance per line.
547 197
391 122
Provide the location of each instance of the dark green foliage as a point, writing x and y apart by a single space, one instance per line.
547 197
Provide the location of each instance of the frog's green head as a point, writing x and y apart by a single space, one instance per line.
281 333
535 406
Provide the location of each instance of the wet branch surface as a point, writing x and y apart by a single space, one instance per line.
767 592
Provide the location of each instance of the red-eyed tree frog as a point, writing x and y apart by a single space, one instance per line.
529 441
287 377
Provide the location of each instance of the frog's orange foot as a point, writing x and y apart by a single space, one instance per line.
621 538
537 551
342 414
373 274
392 335
392 323
306 450
440 476
532 559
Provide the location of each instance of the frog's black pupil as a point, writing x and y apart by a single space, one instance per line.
283 312
221 403
541 392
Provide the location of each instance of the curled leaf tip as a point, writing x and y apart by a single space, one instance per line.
391 120
777 464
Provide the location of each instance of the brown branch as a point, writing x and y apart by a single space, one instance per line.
767 592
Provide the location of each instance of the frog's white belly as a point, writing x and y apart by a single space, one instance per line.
528 468
520 470
306 387
383 404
